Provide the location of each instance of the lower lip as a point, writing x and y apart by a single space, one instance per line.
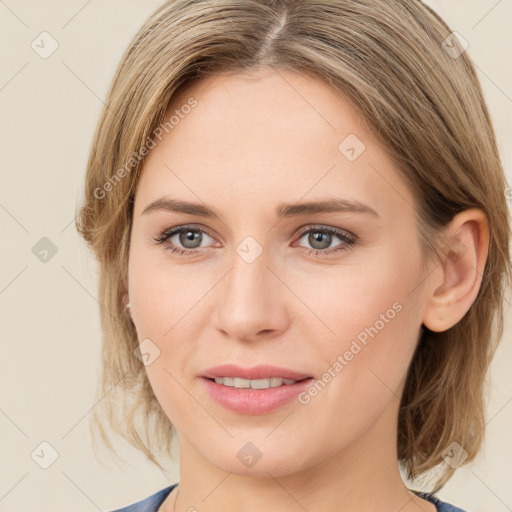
254 401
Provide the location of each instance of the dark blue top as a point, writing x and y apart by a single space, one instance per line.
153 502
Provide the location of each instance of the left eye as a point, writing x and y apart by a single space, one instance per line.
319 237
322 237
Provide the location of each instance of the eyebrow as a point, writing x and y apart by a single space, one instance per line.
333 205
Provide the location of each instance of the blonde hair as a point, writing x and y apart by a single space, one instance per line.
424 104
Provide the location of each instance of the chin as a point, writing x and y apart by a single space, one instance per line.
256 456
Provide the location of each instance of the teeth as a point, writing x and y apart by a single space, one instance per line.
239 383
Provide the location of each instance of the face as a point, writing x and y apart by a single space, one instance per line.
333 294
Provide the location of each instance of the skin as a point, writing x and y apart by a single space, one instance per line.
252 142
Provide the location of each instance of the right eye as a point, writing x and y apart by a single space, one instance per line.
188 239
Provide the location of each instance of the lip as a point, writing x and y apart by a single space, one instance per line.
254 401
256 372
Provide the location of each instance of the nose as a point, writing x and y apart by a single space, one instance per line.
251 300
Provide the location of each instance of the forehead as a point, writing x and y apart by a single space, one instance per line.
252 138
264 103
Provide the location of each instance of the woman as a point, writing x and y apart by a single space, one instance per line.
298 208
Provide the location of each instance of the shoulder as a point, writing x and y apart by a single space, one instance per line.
149 504
441 506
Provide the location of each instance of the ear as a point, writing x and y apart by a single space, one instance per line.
126 304
454 284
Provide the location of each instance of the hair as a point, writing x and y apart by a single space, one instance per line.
424 105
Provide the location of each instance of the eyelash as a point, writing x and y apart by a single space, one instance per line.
347 239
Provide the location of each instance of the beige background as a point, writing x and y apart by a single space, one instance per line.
49 312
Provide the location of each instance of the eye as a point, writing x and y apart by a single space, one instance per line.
321 237
190 237
189 240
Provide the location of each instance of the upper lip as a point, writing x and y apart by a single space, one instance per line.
254 373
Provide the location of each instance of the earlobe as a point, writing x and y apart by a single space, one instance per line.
456 282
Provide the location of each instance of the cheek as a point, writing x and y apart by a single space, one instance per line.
166 310
355 294
371 318
161 293
168 307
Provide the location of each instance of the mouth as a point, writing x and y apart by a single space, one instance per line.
241 383
256 390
